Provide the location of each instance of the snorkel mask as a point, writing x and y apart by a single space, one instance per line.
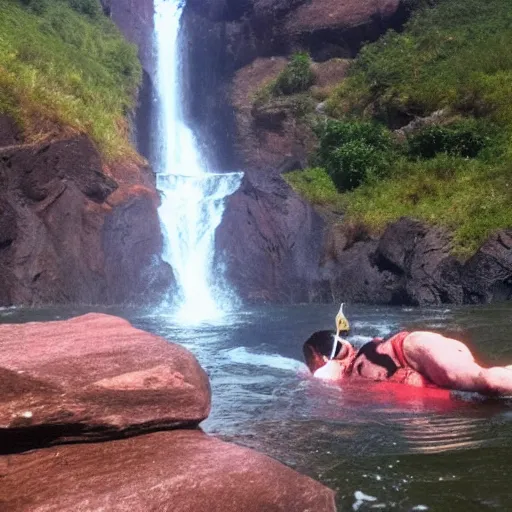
329 350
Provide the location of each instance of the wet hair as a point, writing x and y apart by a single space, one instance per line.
317 345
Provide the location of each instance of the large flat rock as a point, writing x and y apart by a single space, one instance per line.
93 377
179 471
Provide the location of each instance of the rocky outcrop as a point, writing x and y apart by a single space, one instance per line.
94 377
328 28
271 242
268 137
412 264
276 134
349 271
420 257
182 471
75 230
223 36
487 276
277 249
97 378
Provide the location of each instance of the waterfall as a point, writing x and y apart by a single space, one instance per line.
193 197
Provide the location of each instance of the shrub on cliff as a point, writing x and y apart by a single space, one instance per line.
456 55
457 140
353 152
296 77
62 64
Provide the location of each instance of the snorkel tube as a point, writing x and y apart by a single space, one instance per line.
342 326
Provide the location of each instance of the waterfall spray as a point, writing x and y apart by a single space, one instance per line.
193 198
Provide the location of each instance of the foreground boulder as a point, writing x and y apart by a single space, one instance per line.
93 377
179 471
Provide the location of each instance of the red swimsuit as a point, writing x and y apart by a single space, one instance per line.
398 346
369 359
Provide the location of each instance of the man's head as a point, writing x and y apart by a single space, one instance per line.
318 348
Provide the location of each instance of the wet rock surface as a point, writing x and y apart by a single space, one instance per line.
93 377
179 471
487 275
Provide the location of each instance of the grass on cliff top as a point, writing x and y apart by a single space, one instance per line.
455 56
65 65
470 197
316 186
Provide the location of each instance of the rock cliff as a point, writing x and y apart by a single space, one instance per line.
411 264
276 248
74 230
225 38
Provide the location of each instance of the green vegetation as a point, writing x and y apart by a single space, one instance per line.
315 185
63 65
458 139
297 77
353 152
454 56
472 197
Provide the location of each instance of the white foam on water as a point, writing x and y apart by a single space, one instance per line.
377 329
241 355
193 197
361 498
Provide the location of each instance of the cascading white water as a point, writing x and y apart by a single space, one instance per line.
193 198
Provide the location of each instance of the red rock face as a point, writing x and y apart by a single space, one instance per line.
279 258
74 230
180 471
93 377
322 14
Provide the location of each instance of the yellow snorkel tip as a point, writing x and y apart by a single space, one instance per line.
342 324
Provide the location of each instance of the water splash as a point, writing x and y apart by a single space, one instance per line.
193 198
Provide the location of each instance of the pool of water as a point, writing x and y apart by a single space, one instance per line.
409 449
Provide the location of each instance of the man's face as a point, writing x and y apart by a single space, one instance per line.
343 360
317 360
